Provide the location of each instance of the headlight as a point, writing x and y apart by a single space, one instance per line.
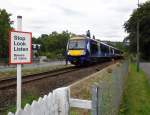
68 53
83 52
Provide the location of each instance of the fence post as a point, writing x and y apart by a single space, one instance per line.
99 97
95 91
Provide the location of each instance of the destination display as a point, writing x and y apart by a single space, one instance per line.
20 47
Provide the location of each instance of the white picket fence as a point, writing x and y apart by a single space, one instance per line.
56 103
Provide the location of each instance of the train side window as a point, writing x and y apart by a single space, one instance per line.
94 48
103 48
107 49
112 51
116 52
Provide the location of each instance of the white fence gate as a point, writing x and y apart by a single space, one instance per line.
56 103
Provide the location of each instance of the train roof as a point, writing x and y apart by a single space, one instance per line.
105 44
79 37
109 45
97 40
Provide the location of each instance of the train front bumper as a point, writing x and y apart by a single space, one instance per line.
78 60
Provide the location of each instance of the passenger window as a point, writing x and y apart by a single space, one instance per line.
103 48
94 48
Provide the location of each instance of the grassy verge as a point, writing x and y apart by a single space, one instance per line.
28 98
136 98
29 71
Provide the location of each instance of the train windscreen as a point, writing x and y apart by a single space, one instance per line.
76 44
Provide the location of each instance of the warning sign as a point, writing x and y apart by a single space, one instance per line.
20 47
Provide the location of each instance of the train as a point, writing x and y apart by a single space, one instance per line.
83 50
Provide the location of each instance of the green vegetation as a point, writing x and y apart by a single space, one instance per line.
78 111
119 45
53 45
136 98
143 14
28 98
29 71
5 26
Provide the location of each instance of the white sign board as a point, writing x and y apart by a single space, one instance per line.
20 47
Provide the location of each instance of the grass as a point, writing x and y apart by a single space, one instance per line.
29 71
136 98
28 98
78 111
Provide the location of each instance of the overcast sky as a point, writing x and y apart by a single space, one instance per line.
105 18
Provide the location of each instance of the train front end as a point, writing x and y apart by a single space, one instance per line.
77 51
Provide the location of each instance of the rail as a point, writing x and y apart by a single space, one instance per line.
9 82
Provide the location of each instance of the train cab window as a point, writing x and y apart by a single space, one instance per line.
76 44
94 48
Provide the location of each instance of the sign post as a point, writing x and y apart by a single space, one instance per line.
20 46
19 28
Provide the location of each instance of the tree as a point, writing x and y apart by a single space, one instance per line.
143 14
5 26
54 44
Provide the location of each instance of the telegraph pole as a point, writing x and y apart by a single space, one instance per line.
138 26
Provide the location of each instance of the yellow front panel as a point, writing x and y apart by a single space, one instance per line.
75 52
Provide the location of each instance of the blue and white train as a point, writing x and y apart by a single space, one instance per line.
83 50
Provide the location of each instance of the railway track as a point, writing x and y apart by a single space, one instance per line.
9 82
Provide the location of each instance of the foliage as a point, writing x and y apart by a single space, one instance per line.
54 44
27 99
143 15
119 45
136 96
5 26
